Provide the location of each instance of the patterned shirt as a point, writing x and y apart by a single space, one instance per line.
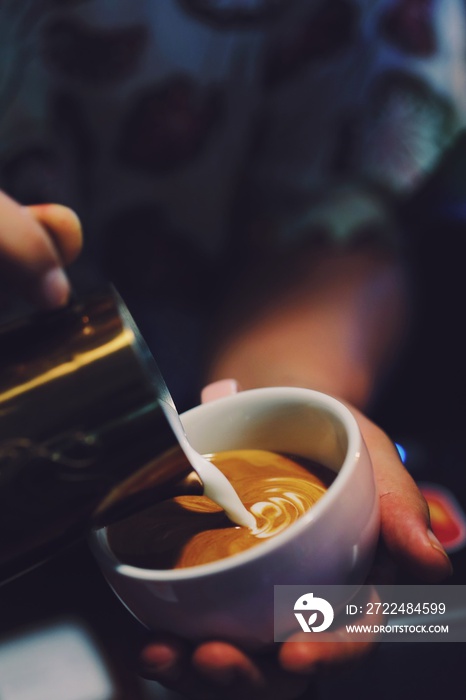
183 129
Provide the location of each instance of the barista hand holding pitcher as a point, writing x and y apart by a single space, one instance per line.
35 244
302 339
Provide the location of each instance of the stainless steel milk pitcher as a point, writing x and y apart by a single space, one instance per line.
80 413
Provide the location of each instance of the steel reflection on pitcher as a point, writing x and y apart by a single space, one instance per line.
80 414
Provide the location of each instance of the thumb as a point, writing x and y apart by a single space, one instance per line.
405 520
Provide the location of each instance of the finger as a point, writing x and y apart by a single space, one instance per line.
30 264
63 225
247 676
223 663
301 656
163 653
405 522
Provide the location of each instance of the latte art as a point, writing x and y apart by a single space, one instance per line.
191 530
276 489
280 508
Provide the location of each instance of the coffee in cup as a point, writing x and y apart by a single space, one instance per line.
187 531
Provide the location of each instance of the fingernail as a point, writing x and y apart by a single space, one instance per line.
435 543
54 288
219 389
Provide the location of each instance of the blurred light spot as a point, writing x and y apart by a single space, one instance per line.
401 451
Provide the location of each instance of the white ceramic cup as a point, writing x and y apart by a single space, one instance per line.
333 543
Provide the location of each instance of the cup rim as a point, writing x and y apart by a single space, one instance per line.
102 551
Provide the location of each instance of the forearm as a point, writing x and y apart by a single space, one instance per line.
335 325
